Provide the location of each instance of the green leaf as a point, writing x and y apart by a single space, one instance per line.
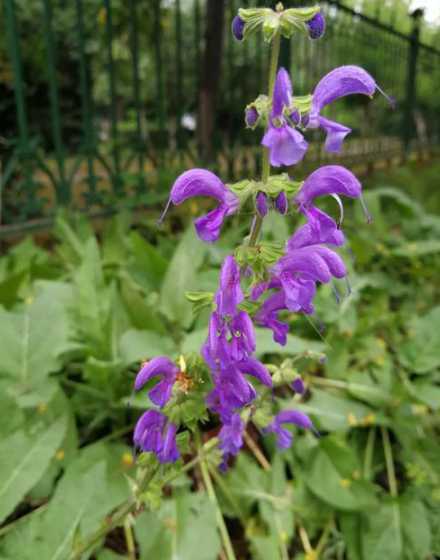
25 457
330 475
181 277
149 266
137 346
418 248
34 338
420 353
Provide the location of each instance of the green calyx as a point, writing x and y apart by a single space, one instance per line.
271 22
260 256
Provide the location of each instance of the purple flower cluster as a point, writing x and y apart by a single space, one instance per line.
228 351
153 431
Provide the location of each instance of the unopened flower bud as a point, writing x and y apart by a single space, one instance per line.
295 117
298 386
281 203
238 28
316 26
251 116
261 203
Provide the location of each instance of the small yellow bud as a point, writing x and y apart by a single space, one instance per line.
182 363
351 419
59 455
42 408
369 419
127 459
356 475
311 555
345 482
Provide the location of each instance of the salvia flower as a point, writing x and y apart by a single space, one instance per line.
163 367
342 81
316 26
200 182
298 386
281 203
286 145
284 437
231 437
154 433
251 116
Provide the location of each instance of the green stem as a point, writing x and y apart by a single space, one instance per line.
368 459
230 555
273 66
129 539
392 482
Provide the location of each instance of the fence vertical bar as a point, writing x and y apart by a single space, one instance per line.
410 99
134 45
86 109
198 40
117 183
179 73
63 188
160 94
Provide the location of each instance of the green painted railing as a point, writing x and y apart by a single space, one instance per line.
105 95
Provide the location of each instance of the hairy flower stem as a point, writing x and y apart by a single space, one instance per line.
229 551
392 482
274 55
129 539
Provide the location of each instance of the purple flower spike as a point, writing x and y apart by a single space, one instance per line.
238 28
316 26
267 317
230 293
159 366
285 144
261 204
151 433
282 93
200 182
251 366
298 386
281 203
231 436
251 117
284 437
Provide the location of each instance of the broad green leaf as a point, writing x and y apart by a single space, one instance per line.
418 248
25 457
331 474
420 352
181 277
35 337
184 528
138 346
149 266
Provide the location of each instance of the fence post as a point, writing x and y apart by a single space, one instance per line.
408 124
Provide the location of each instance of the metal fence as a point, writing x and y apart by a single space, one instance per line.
100 96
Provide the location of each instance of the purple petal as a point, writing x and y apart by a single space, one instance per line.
316 26
231 436
285 144
281 203
329 179
342 81
238 28
282 93
148 431
229 294
294 417
208 227
161 393
161 365
169 452
335 134
197 182
251 366
320 228
299 293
